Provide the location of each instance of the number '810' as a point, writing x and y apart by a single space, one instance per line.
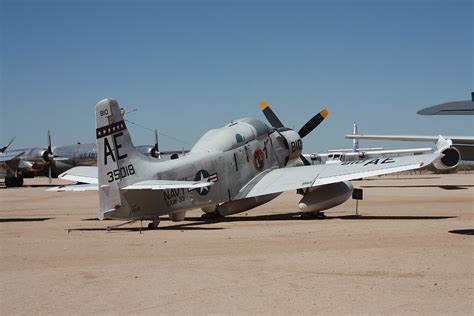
121 173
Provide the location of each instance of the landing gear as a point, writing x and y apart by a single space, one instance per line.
12 182
213 215
154 224
313 215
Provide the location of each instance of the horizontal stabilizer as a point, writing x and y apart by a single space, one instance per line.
167 184
81 174
75 188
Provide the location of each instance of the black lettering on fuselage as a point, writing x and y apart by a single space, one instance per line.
108 151
117 146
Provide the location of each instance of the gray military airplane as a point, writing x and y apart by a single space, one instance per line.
24 163
51 161
229 170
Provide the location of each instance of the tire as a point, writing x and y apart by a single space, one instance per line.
9 182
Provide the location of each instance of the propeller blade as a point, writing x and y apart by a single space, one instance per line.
270 115
313 123
156 140
8 145
156 150
49 143
49 175
304 160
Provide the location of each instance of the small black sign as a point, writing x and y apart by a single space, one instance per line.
357 194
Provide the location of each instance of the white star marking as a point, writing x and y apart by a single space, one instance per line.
203 189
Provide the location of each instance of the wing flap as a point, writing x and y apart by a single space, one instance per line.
286 179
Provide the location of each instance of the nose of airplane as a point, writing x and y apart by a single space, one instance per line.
295 144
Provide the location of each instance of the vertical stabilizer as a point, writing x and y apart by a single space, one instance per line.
355 142
115 156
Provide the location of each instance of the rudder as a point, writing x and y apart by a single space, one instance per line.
115 152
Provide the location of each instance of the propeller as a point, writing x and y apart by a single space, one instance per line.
2 150
303 132
49 157
155 152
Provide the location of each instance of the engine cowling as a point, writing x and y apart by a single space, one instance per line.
149 151
325 196
451 159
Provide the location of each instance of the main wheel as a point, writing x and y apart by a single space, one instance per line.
154 224
18 181
9 182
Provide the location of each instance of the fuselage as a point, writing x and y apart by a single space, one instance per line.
230 157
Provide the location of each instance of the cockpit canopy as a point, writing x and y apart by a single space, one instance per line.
232 135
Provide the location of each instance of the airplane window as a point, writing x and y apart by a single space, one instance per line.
239 138
260 127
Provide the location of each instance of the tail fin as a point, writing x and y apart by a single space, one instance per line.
355 141
116 156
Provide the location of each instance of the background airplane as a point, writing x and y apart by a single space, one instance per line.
461 148
229 170
357 153
51 161
451 108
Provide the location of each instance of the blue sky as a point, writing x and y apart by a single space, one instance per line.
190 66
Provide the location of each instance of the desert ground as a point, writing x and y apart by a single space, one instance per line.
411 251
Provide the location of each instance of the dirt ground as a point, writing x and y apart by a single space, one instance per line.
411 251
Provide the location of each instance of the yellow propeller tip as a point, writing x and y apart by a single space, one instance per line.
324 113
263 105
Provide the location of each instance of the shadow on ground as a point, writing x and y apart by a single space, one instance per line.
24 219
195 222
462 231
444 187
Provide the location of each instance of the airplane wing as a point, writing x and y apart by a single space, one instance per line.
280 180
9 162
415 138
465 144
10 157
394 151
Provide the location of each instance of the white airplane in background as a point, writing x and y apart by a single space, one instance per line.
460 147
229 170
357 153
